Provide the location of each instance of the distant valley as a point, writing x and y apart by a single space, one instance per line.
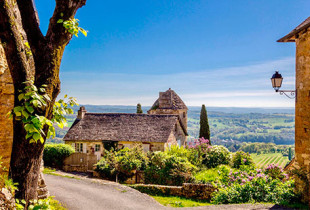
229 126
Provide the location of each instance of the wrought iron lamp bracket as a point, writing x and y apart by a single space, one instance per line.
288 93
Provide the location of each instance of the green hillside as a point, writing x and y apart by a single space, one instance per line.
263 160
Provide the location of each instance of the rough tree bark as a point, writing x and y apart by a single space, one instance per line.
19 29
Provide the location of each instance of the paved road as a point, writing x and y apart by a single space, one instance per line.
92 194
86 194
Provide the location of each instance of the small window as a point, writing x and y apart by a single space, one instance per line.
176 127
79 147
97 147
184 115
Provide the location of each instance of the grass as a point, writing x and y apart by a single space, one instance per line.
174 201
51 171
263 160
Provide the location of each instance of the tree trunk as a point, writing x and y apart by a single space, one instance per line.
31 55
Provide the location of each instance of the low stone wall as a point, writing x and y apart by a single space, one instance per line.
188 190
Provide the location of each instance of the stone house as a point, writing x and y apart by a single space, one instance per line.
92 132
301 36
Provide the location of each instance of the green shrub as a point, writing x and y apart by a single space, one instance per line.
242 159
122 163
215 156
259 189
168 169
54 154
192 155
216 176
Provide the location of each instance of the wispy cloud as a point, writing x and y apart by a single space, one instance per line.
243 86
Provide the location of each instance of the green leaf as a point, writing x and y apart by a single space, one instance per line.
35 103
83 31
25 114
36 136
21 96
32 141
28 135
30 109
60 21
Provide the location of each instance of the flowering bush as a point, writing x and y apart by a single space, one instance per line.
215 156
201 144
244 175
276 172
242 159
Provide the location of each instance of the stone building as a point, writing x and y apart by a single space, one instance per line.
301 36
170 103
162 127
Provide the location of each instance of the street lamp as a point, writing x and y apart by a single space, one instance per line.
276 81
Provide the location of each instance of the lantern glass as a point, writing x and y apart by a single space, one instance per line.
276 81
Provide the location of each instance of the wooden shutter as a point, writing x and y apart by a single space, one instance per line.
84 148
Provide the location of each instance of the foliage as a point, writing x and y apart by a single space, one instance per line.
242 159
276 172
72 26
217 176
204 124
54 154
215 156
259 189
33 101
49 204
139 109
122 163
190 154
167 169
5 181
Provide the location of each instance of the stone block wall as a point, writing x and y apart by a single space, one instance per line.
188 190
302 109
6 105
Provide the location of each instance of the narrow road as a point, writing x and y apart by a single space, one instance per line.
93 194
85 194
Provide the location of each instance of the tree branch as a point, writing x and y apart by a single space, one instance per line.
31 23
13 43
56 33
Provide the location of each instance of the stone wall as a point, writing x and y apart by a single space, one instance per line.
302 112
188 190
6 105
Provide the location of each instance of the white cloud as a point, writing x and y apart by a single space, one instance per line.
236 86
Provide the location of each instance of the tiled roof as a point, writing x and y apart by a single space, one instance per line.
175 101
122 127
291 36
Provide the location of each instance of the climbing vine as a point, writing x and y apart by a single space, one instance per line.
33 101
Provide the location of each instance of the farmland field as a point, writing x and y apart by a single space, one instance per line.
263 160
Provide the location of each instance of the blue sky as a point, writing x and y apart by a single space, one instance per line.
213 52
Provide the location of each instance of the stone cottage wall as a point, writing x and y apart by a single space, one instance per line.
6 104
302 112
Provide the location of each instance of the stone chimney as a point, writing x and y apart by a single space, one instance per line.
81 113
